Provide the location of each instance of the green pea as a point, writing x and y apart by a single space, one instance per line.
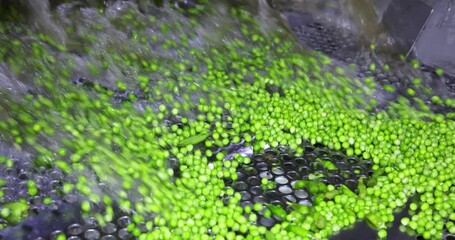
258 207
382 234
247 137
439 71
85 206
300 184
5 212
61 236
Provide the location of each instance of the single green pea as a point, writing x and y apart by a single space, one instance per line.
382 234
5 212
85 206
247 137
257 207
439 71
61 236
372 67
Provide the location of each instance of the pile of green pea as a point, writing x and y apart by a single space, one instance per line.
253 86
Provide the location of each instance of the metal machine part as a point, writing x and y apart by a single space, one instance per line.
425 29
436 44
405 21
422 29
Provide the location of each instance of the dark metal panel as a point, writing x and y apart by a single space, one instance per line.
436 44
404 20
